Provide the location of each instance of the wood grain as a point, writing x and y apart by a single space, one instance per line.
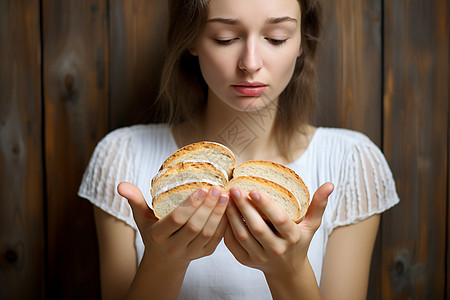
76 92
349 67
415 134
138 31
22 244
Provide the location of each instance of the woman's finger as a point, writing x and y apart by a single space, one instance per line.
196 223
212 243
141 212
238 222
176 219
202 226
313 217
234 246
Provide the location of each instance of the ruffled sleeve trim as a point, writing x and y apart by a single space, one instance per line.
111 163
365 187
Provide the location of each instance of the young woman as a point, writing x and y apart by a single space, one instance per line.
240 73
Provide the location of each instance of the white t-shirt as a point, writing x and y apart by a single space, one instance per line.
363 186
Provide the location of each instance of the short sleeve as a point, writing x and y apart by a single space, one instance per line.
111 163
365 187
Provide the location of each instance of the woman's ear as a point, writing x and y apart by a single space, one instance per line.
193 51
300 51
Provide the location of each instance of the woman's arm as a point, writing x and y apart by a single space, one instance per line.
117 254
345 272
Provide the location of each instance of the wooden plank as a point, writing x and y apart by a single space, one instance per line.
350 68
22 242
447 285
415 139
137 38
76 95
350 81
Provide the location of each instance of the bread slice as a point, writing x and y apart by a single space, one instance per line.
279 174
186 172
281 196
218 155
168 200
208 163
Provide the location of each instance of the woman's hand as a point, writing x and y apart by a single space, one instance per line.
192 230
281 253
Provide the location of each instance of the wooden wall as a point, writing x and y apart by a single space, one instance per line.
71 71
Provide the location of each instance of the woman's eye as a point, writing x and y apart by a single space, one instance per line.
276 42
224 42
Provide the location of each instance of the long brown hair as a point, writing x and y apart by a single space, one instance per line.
183 91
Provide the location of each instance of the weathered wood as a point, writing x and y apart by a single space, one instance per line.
350 81
22 242
349 67
447 284
415 142
138 31
76 91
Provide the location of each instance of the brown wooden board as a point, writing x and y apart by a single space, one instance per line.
138 31
415 142
349 67
447 284
22 245
76 91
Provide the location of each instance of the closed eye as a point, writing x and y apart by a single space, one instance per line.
276 42
224 42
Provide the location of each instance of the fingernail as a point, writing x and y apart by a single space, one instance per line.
215 192
201 193
223 199
255 196
235 193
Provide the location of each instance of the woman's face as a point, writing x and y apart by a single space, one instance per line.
248 49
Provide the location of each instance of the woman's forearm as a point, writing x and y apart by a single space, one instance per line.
300 284
157 280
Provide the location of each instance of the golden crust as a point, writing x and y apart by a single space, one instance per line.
287 195
187 167
273 165
195 147
187 187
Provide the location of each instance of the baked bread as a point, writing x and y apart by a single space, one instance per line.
207 164
165 202
216 154
186 172
284 178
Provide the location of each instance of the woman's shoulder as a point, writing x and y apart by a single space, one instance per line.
135 139
139 130
343 136
336 145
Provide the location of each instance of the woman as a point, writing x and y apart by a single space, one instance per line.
240 73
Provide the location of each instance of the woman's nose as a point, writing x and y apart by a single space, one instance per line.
250 60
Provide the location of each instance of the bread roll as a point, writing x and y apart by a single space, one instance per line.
207 164
218 155
282 176
164 203
281 196
186 172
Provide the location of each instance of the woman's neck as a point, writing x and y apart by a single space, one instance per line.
249 134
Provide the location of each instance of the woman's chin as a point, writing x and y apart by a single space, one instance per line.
252 104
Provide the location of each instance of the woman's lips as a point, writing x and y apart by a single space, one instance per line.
250 89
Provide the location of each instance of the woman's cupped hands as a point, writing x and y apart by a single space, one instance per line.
194 229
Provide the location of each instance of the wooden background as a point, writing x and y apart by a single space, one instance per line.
71 71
